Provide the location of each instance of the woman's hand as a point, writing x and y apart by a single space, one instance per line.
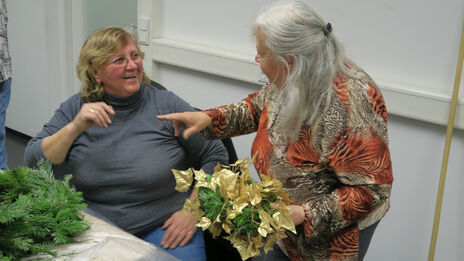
92 114
180 229
297 213
192 122
56 146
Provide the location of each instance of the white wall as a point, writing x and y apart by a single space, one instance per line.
99 13
404 234
45 37
41 47
413 58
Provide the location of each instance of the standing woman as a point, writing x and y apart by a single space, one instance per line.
120 155
321 129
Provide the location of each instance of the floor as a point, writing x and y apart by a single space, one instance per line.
15 144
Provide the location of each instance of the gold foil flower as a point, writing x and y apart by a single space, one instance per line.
230 200
184 179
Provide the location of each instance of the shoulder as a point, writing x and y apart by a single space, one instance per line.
68 109
165 101
264 95
75 99
366 94
72 104
358 90
359 102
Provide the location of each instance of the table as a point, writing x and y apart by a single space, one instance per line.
107 242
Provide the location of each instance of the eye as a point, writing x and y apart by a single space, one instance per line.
134 56
119 60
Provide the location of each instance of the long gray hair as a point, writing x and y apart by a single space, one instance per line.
294 28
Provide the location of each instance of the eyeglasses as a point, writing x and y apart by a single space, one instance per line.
122 61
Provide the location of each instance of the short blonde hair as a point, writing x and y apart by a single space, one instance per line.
96 50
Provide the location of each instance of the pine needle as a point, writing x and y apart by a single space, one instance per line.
37 212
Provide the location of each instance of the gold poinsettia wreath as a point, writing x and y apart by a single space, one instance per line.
253 215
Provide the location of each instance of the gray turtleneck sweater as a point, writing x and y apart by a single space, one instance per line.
124 171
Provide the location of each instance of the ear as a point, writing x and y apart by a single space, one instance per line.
96 75
291 61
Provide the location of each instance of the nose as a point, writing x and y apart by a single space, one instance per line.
257 58
131 64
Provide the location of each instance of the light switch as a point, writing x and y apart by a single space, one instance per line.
143 37
144 24
143 30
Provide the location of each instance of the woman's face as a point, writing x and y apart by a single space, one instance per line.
122 74
273 69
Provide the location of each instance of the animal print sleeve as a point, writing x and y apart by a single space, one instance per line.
238 118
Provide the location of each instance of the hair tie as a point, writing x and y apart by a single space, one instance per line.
327 29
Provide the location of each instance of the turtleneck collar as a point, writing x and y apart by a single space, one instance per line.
124 103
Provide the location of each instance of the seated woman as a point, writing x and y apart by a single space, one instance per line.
119 153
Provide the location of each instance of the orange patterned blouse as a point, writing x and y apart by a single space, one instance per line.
339 169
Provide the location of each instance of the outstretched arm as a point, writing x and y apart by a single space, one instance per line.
191 122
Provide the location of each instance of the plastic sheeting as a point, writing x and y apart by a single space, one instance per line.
106 242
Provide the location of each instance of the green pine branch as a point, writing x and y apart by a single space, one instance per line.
37 212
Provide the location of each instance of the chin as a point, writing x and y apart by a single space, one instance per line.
130 90
134 88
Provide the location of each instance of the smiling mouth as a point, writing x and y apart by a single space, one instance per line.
129 77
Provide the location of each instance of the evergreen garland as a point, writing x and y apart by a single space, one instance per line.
37 212
212 203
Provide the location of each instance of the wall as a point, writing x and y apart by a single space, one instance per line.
410 55
41 47
99 13
45 38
